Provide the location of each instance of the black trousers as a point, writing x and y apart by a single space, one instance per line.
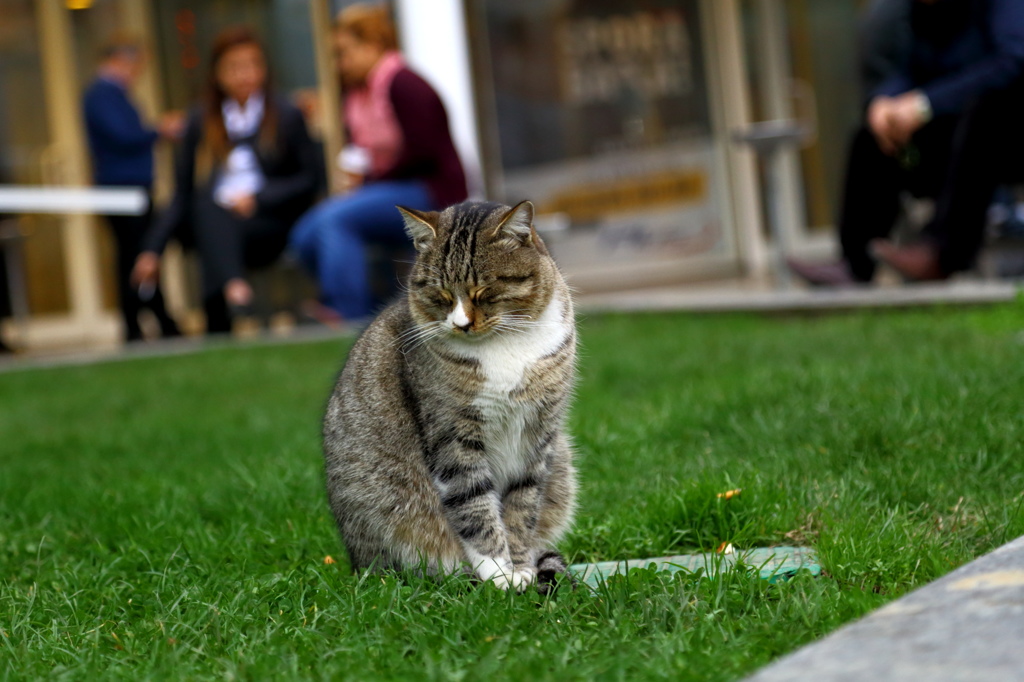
957 160
128 231
229 245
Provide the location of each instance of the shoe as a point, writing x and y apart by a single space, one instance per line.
238 295
917 262
322 314
241 310
836 274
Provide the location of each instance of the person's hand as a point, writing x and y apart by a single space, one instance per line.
238 292
906 116
171 125
880 124
347 182
308 102
244 205
354 162
147 268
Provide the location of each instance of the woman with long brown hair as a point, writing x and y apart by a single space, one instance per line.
245 171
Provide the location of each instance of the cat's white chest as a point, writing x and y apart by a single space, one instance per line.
504 362
505 359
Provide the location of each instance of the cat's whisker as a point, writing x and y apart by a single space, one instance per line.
429 333
519 324
416 335
423 266
507 327
522 322
419 332
411 331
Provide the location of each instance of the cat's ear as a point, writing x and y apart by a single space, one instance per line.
516 227
420 226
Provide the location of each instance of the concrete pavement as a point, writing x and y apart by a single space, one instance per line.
965 627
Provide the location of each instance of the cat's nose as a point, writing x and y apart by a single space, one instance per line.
463 327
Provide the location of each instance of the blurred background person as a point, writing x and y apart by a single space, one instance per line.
944 124
400 152
245 171
884 42
121 145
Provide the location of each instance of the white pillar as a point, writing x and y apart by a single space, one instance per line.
329 89
435 42
777 96
732 107
81 252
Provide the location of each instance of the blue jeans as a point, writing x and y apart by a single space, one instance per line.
330 239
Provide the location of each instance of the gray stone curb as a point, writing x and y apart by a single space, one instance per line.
966 626
801 300
165 348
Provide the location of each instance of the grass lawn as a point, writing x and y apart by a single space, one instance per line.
165 518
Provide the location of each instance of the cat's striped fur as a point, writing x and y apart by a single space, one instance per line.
445 438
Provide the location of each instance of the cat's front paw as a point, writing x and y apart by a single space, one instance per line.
519 580
497 571
523 578
504 576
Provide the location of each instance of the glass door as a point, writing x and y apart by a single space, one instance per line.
603 116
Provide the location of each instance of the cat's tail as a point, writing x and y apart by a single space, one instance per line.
550 565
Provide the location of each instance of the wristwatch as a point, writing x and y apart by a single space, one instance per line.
924 107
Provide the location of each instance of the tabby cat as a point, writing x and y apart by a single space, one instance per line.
444 439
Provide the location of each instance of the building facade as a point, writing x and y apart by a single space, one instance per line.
617 118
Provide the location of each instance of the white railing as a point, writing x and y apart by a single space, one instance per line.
70 200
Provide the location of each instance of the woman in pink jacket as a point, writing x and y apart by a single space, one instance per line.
400 153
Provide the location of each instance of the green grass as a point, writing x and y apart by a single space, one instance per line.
165 518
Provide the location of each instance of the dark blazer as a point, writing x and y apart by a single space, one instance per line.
121 146
291 177
961 50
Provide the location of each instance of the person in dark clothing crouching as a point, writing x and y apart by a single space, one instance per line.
122 151
947 125
245 171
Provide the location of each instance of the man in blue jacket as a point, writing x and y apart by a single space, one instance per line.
949 125
122 153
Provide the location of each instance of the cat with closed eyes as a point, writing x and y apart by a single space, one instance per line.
445 442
